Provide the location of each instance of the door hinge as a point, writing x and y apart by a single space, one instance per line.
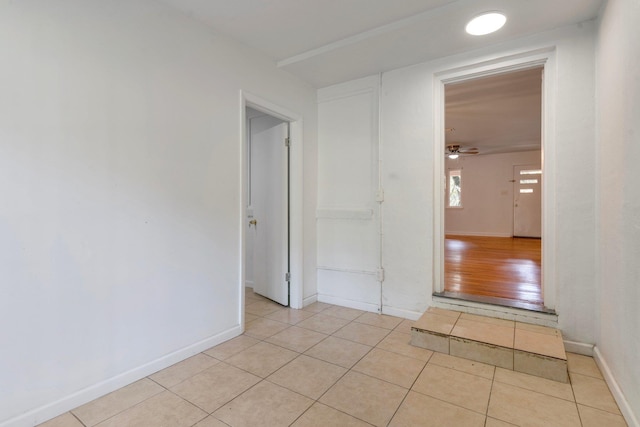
380 195
287 142
380 274
287 277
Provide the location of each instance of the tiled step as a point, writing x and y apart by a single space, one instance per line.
531 349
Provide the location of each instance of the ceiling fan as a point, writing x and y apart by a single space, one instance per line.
455 150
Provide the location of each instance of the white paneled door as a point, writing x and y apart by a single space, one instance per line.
527 201
268 213
349 196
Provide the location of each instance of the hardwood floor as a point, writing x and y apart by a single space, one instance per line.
503 270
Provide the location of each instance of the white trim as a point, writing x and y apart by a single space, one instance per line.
345 213
625 408
519 61
348 270
399 312
578 347
248 284
67 403
362 36
295 193
501 64
310 300
358 305
439 185
370 84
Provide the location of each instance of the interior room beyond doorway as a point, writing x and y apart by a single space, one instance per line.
493 175
495 270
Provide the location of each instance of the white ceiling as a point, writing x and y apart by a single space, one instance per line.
330 41
496 114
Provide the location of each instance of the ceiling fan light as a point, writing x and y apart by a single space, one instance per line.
486 23
453 156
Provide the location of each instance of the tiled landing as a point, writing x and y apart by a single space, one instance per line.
521 347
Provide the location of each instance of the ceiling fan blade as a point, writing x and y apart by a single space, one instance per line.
468 150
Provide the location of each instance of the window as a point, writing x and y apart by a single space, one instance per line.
455 188
527 179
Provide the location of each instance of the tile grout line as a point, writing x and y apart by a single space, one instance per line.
430 360
573 392
192 403
513 351
411 387
347 370
449 403
452 403
352 367
327 390
79 420
460 370
493 381
126 409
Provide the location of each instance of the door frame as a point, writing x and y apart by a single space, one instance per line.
544 57
295 193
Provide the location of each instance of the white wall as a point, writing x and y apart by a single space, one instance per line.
487 193
120 221
407 140
618 92
407 137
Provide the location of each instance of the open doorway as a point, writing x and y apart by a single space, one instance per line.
492 221
253 106
267 263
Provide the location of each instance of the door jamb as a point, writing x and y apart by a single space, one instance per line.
546 58
295 193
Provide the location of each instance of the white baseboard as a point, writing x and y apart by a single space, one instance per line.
618 395
579 348
309 300
67 403
359 305
248 284
399 312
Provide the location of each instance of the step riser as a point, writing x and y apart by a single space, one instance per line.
481 352
519 355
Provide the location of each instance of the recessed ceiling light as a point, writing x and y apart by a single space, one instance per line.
486 23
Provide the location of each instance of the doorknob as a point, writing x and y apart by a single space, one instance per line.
253 222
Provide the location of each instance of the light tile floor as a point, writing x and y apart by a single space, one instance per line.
335 366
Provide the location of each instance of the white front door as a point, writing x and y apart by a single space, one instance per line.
527 201
269 207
